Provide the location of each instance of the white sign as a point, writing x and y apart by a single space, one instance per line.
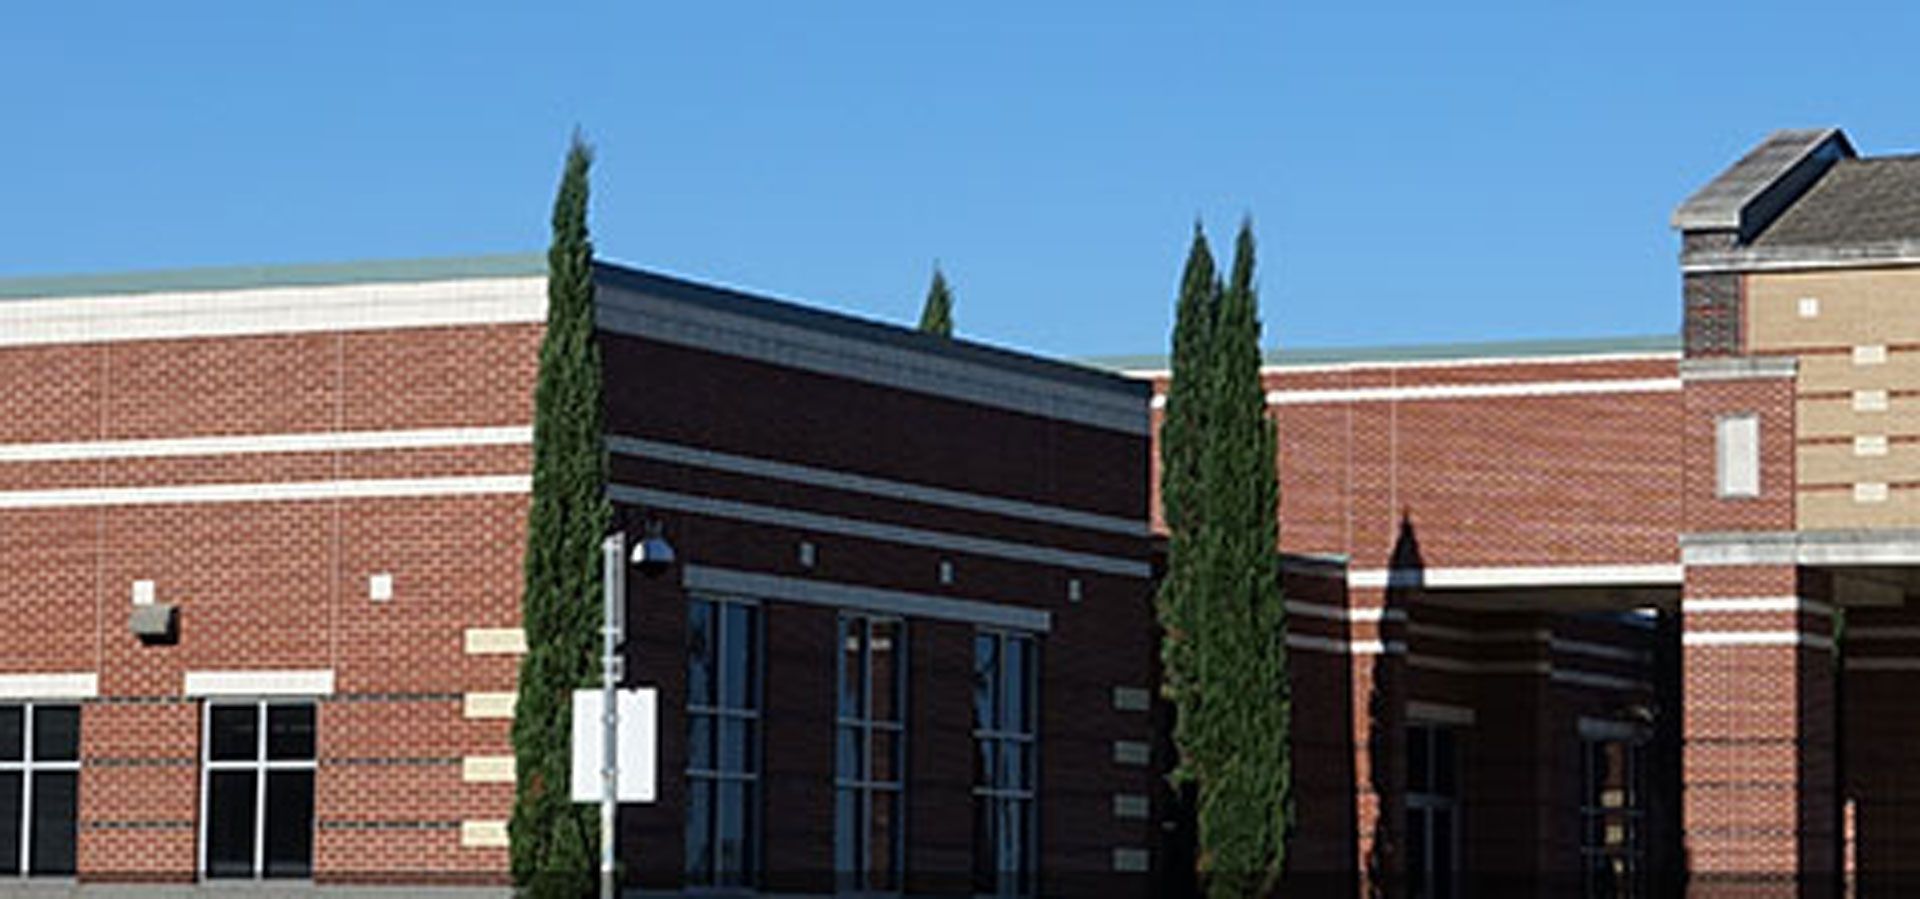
639 734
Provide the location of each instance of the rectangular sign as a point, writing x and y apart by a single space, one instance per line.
638 742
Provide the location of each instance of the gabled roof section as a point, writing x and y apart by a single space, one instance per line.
244 277
1748 195
1858 202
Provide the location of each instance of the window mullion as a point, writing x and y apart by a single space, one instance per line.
26 788
260 792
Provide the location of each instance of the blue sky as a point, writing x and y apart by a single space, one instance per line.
1416 171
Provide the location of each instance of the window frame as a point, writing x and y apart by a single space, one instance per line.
995 794
1736 472
865 725
1431 802
261 766
27 766
718 712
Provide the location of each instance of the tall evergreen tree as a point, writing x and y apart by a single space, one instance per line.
554 842
1245 804
1224 655
936 316
1182 438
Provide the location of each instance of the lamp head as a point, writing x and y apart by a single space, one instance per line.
652 554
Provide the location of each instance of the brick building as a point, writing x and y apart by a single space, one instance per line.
1625 616
1602 617
262 530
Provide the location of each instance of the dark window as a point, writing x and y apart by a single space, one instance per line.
39 788
723 742
1611 814
1433 807
869 753
258 819
1005 840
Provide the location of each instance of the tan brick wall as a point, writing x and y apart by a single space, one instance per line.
1864 337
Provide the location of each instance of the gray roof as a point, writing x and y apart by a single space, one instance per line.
241 277
1433 352
512 265
1750 192
1857 202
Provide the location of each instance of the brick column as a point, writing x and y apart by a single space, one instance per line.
1760 808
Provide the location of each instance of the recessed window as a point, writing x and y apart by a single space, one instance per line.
39 788
1005 842
257 789
870 754
1738 450
1433 802
723 742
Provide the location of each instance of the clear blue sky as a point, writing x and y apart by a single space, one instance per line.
1416 171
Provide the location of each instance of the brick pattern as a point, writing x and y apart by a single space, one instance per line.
275 585
1511 480
1544 479
1104 640
1761 801
1714 313
1772 400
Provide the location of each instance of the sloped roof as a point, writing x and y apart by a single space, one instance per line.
1738 198
1857 202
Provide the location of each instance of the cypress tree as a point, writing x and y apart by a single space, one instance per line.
554 842
1182 438
936 316
1245 803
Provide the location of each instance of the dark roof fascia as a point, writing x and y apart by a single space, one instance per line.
787 312
245 277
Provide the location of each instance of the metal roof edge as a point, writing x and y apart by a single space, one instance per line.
789 312
1433 352
243 277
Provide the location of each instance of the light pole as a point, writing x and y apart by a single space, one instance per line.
613 599
653 555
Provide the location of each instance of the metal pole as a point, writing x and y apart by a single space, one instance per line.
613 571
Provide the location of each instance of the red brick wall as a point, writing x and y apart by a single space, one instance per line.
1772 399
1759 727
275 585
1551 479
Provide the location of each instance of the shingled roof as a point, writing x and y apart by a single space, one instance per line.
1857 202
1747 196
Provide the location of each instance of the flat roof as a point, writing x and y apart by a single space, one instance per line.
534 264
243 277
797 314
1434 352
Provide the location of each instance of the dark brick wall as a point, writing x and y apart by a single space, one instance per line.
715 402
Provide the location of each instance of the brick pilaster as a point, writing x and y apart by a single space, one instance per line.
1760 809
